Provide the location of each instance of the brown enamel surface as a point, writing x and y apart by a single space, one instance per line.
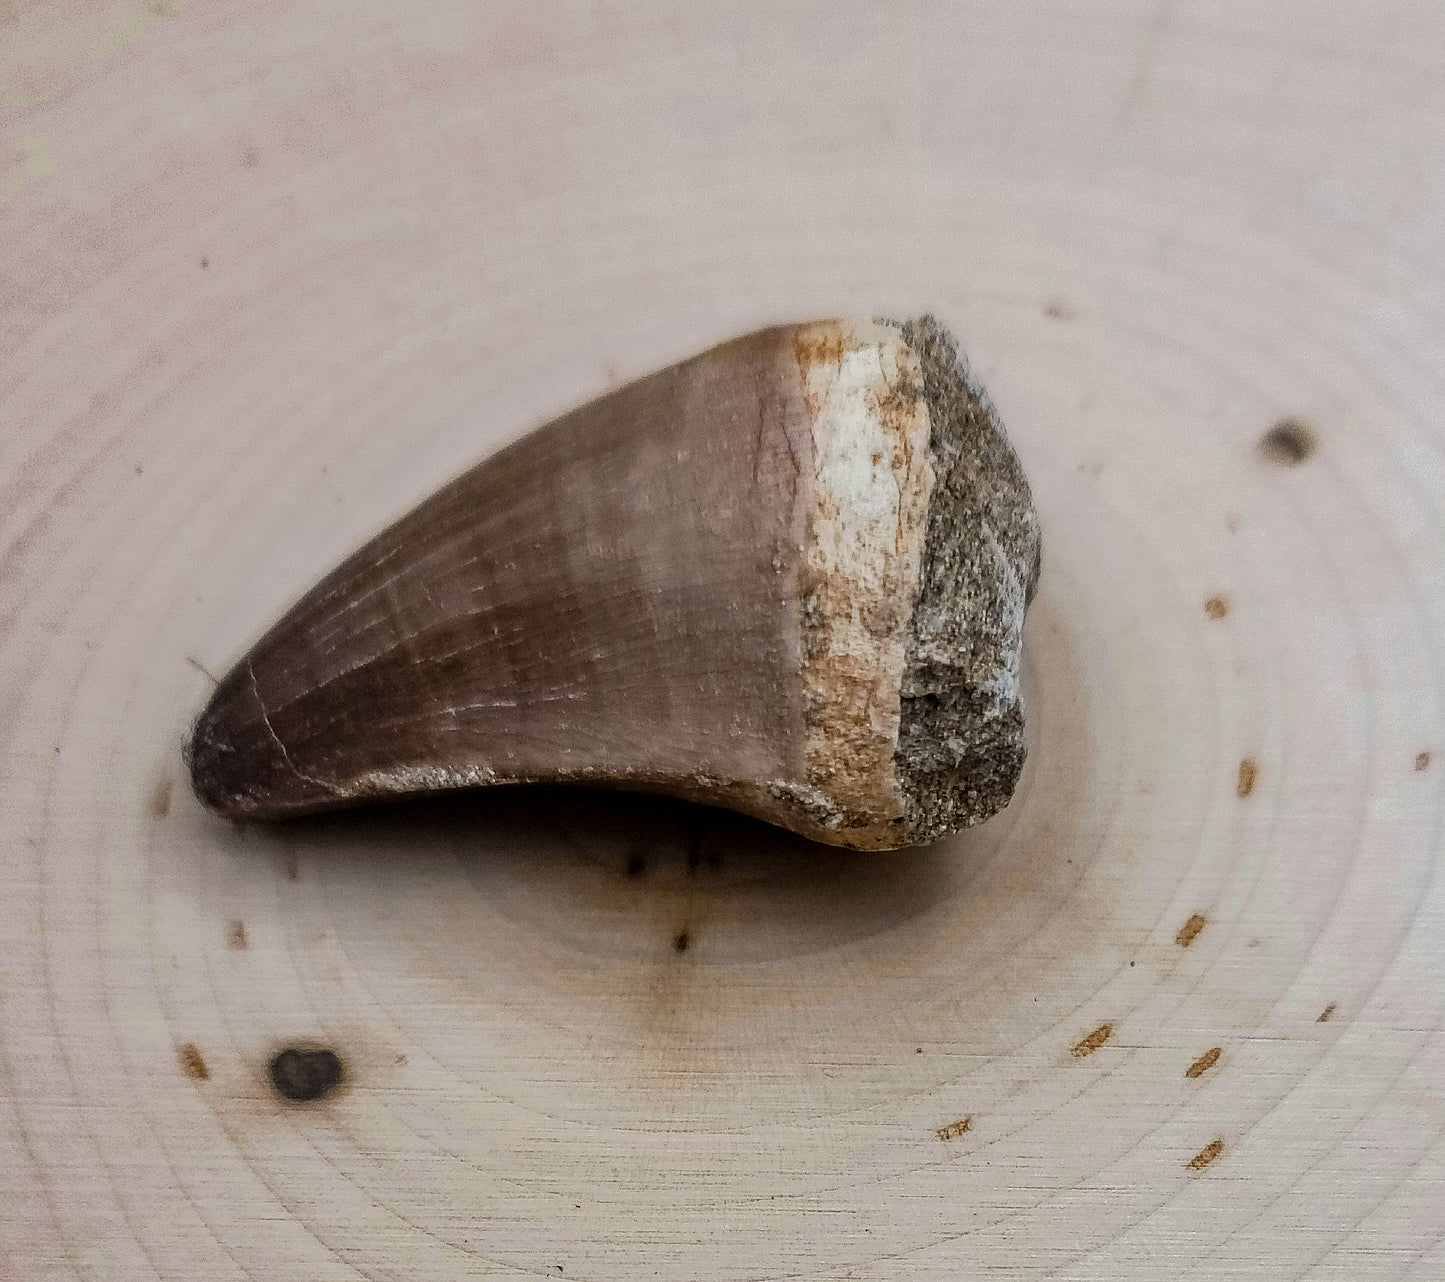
613 598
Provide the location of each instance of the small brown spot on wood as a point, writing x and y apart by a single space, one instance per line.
1324 1015
682 941
305 1074
1093 1041
1057 309
1190 930
955 1130
1206 1155
236 934
161 797
1422 761
193 1063
205 262
1216 607
1204 1063
1248 773
1289 442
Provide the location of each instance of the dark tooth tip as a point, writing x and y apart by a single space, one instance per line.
235 763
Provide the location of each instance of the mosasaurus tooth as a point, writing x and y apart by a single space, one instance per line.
787 576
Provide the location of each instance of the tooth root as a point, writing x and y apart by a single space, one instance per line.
787 576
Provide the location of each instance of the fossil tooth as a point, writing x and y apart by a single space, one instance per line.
787 576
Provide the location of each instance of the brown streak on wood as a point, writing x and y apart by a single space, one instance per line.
1422 761
954 1130
1204 1063
1324 1016
1206 1155
1248 773
1190 930
161 797
236 934
1093 1041
193 1063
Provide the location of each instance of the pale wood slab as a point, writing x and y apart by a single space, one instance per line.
273 272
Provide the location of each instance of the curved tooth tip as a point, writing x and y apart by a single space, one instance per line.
239 767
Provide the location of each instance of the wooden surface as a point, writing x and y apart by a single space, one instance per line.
272 272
